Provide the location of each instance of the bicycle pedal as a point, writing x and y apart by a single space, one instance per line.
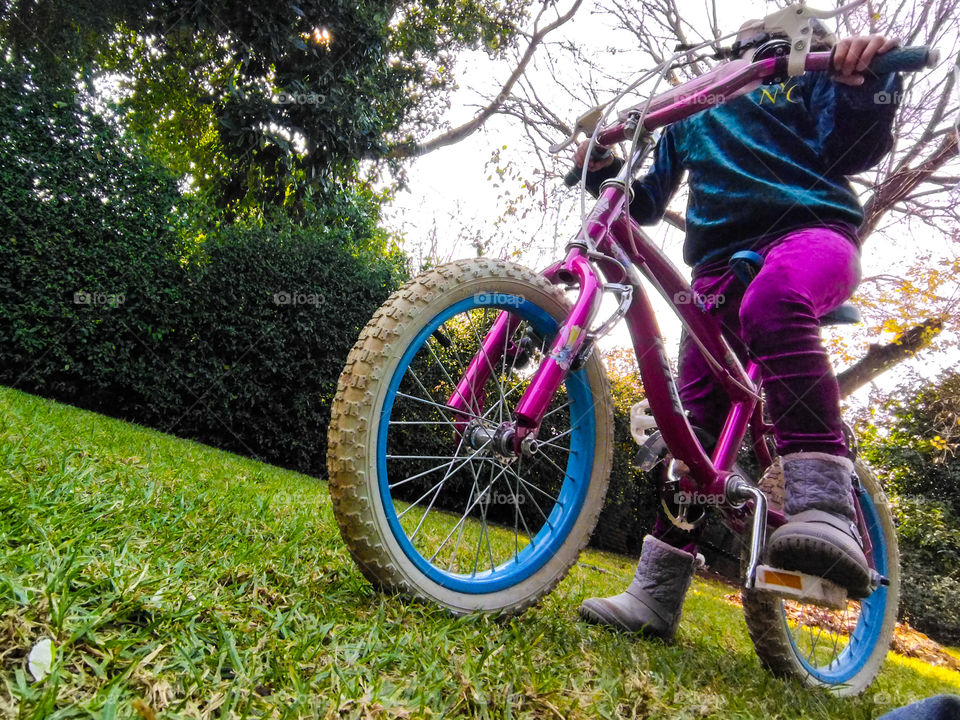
800 586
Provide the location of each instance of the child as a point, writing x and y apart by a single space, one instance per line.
767 172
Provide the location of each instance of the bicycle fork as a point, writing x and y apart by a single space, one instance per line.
571 344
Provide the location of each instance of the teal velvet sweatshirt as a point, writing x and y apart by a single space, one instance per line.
767 162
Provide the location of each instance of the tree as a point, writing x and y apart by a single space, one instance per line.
455 135
262 104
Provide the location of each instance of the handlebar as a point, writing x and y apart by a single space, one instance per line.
908 59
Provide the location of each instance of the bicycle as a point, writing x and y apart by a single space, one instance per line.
472 432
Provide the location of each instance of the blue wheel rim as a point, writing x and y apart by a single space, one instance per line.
863 640
573 492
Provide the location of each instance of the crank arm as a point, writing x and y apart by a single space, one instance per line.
739 491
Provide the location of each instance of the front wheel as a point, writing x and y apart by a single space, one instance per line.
424 507
839 650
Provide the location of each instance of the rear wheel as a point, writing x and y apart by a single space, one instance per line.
426 508
840 650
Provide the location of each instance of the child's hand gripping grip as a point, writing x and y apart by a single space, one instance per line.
572 178
908 59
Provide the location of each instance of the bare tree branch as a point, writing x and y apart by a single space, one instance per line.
880 358
457 134
675 219
903 182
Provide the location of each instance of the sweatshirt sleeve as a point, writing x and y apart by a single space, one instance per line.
652 192
854 123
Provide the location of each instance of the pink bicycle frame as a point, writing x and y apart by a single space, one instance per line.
612 248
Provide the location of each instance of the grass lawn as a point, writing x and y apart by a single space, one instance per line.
176 580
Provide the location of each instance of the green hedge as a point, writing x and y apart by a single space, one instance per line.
917 454
104 303
631 505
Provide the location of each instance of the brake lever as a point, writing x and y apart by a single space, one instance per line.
586 123
794 22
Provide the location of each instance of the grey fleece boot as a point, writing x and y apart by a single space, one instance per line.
653 602
820 537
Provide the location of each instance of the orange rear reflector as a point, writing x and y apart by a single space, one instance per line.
784 579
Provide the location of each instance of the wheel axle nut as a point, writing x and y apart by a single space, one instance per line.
529 446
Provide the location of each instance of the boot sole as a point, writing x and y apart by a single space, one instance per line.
815 556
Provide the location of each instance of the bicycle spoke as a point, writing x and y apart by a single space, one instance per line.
539 489
470 506
483 524
544 443
461 525
461 368
465 461
421 385
517 513
429 457
484 529
556 409
534 500
813 643
546 457
441 407
564 434
821 635
455 386
422 474
436 494
503 365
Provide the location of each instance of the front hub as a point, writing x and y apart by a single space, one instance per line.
500 440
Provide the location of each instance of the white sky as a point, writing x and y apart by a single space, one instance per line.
454 192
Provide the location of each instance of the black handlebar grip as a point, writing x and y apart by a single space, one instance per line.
908 59
572 178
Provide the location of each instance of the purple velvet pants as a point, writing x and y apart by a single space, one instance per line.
775 321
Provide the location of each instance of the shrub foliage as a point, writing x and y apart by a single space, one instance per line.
237 342
917 457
